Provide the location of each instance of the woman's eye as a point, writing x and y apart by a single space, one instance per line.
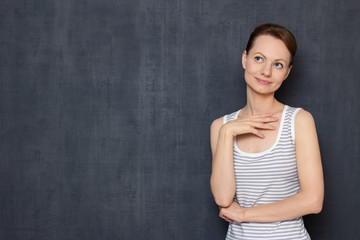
278 65
258 59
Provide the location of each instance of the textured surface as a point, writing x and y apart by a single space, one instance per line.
105 109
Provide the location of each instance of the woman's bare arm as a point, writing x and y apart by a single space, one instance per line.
309 199
222 176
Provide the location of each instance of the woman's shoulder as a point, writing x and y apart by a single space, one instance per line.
218 122
303 120
301 114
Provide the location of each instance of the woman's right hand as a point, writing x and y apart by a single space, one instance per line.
250 124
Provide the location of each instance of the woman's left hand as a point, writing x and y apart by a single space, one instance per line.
232 213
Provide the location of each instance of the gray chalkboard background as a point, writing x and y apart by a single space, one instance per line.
106 106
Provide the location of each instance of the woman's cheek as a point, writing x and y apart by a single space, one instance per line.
251 68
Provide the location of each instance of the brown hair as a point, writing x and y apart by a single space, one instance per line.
276 31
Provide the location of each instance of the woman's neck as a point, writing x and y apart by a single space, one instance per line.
261 103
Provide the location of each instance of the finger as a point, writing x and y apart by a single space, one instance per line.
257 133
263 114
226 218
259 115
263 126
265 119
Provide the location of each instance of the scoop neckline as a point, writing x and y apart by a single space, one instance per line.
277 137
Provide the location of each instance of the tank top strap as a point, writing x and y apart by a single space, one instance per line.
288 131
231 116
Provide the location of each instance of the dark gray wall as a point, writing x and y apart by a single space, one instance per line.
106 107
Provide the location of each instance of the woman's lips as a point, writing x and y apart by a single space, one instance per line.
264 82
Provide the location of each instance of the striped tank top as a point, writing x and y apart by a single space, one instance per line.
267 177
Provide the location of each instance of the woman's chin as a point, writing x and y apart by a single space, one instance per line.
269 89
262 90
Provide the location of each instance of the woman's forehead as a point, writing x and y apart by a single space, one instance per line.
270 47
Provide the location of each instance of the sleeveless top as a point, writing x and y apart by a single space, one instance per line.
267 177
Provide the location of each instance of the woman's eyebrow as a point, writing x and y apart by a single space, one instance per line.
259 53
279 59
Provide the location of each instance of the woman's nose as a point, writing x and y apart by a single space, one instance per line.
266 70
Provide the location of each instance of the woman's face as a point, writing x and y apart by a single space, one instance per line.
266 64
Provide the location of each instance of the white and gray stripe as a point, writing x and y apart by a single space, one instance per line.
267 177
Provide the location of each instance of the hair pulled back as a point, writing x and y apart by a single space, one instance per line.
276 31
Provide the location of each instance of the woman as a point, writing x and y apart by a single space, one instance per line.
266 170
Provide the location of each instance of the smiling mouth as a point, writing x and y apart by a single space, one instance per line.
264 82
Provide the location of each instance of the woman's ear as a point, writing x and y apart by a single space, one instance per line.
244 59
